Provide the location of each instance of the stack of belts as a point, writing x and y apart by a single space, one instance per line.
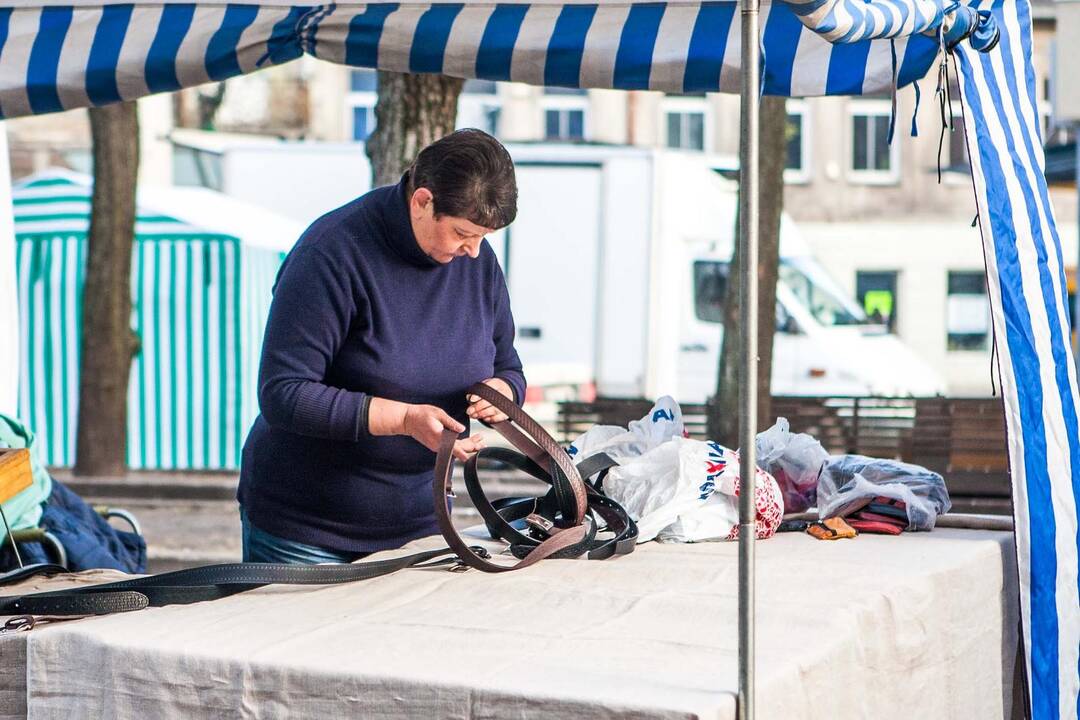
574 519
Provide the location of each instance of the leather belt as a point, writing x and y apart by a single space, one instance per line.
573 519
565 523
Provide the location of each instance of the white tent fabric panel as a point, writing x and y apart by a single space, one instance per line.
199 305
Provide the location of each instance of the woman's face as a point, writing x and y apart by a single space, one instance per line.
445 237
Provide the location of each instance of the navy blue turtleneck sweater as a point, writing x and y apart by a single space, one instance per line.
360 311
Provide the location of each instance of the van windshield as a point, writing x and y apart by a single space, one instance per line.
807 282
710 287
819 294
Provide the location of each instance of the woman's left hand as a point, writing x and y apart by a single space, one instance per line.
480 409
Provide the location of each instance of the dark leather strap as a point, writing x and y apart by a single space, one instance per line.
535 528
533 440
210 582
28 571
598 465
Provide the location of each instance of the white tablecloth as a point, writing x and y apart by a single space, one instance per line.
921 625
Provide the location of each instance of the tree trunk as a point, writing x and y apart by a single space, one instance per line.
209 102
107 341
412 112
723 415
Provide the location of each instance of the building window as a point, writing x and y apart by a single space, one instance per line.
479 106
564 124
685 122
568 92
710 290
565 113
479 87
363 122
686 130
360 103
967 312
954 157
363 81
872 158
797 149
957 158
876 293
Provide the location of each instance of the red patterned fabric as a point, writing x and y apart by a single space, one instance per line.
769 503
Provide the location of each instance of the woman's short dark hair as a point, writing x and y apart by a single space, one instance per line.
471 176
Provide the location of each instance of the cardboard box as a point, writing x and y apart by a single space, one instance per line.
15 474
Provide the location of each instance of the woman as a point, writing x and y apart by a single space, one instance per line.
384 313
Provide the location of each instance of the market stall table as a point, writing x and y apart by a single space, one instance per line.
920 625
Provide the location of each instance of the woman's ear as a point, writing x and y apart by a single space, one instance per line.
420 201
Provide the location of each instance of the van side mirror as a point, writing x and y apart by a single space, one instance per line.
789 326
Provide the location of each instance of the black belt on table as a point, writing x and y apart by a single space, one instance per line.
573 519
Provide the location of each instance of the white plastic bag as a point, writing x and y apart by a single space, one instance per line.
676 489
673 479
663 422
687 491
794 460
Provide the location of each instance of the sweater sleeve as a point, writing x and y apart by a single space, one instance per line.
507 362
312 309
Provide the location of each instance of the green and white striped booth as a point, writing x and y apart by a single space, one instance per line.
202 272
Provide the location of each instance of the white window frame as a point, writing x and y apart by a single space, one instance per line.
473 105
685 105
565 103
949 174
871 108
987 335
801 176
355 99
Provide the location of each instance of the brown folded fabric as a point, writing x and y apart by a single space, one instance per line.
832 528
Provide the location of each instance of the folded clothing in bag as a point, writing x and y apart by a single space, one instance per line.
850 483
882 516
873 527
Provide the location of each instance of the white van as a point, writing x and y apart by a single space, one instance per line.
824 344
617 267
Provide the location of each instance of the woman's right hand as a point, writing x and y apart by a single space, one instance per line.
423 423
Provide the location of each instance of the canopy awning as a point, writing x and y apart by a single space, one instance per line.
57 56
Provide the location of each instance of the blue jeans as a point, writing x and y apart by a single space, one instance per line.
261 546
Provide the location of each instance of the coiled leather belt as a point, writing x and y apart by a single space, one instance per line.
573 519
565 523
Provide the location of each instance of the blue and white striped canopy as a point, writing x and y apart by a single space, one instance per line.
60 55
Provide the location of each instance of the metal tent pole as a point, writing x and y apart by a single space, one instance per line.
748 305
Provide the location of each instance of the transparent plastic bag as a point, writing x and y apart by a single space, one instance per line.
850 482
662 423
794 460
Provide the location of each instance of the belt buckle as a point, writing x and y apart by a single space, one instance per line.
19 623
